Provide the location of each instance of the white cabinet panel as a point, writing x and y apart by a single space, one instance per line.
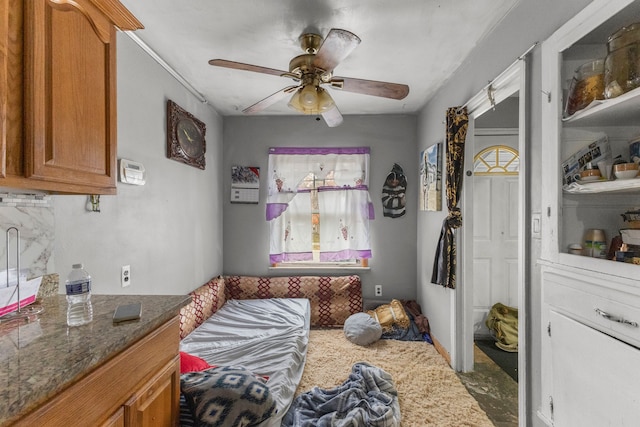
596 380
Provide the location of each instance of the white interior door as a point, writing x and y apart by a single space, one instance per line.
495 226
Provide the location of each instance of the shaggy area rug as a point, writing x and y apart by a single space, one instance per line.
429 391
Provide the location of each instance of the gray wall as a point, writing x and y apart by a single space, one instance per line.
529 22
169 230
504 115
391 138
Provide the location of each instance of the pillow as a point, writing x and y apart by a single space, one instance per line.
191 363
362 329
227 395
390 315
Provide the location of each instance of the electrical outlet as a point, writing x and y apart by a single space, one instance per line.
125 276
378 290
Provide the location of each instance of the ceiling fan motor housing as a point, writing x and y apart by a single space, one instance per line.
302 64
310 43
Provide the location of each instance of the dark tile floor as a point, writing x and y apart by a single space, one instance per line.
495 391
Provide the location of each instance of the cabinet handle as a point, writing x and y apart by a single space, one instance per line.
615 318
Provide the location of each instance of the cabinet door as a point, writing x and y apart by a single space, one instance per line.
157 403
570 210
596 381
70 103
11 85
116 420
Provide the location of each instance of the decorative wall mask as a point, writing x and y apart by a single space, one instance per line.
394 193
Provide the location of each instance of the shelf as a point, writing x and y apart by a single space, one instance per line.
579 206
625 273
620 111
618 185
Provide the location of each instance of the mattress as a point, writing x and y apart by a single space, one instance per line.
267 336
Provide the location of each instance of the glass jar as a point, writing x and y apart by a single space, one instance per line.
586 86
622 65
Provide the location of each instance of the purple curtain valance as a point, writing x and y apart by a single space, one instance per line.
319 150
274 210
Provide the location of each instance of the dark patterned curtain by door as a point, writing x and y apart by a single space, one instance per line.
444 266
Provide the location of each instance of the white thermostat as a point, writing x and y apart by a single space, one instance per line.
131 172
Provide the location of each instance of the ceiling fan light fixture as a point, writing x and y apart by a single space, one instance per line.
311 100
295 103
309 97
325 101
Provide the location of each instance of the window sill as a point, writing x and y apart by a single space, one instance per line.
321 267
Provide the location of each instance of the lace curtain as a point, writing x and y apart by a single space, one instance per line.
341 208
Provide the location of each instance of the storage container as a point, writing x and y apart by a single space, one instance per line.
587 85
622 65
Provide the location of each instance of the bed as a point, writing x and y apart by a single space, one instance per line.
248 337
276 329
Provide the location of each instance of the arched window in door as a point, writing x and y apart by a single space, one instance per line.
497 160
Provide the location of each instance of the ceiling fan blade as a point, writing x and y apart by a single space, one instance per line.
245 67
270 100
332 117
370 87
336 46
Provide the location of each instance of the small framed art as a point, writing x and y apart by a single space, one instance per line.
430 198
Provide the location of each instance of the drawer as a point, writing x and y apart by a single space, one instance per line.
604 308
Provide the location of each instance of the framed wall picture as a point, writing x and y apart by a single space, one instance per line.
185 136
430 197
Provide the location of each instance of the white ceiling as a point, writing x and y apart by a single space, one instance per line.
419 43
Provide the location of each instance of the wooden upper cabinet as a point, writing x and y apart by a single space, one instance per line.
67 140
11 89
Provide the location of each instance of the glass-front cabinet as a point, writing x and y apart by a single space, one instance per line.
591 117
590 235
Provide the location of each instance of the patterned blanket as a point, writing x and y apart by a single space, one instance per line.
367 398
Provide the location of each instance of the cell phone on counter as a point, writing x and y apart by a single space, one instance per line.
127 312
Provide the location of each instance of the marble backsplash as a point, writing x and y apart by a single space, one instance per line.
37 237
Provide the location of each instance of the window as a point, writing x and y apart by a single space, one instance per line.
497 160
318 206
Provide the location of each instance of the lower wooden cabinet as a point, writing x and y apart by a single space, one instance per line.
116 420
138 387
154 403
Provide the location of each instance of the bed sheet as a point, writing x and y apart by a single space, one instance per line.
267 336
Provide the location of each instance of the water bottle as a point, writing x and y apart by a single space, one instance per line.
79 308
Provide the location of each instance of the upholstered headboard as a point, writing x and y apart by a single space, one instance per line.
332 298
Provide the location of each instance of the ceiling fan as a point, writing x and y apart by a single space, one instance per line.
313 69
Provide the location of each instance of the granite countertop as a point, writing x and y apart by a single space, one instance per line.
40 358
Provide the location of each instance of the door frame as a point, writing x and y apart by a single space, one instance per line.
493 132
512 80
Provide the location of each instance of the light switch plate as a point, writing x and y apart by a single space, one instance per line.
536 225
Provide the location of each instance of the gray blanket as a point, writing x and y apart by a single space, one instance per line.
367 398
